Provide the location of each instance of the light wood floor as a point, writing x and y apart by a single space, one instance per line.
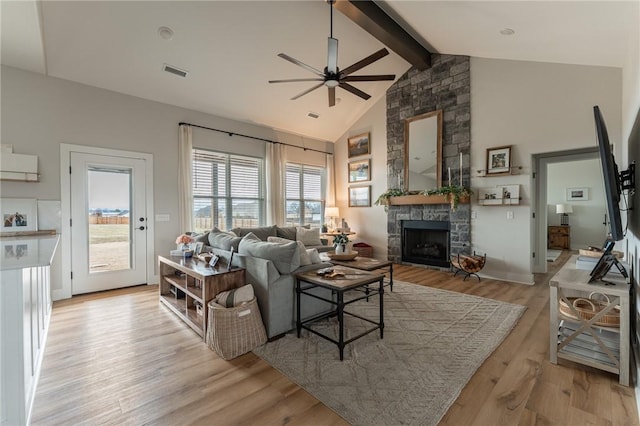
120 358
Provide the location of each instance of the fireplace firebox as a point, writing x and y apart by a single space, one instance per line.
425 242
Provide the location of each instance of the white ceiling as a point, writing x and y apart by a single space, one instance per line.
230 48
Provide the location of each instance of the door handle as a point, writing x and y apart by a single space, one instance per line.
141 219
141 228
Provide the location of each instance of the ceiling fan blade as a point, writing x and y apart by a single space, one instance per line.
381 77
355 91
292 80
332 96
301 64
307 91
364 62
332 55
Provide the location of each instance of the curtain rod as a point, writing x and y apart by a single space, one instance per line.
252 137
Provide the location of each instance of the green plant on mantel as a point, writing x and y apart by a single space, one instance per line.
453 193
383 199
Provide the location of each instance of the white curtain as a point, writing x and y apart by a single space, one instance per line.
330 190
276 163
185 197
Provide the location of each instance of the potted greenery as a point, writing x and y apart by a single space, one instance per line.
340 242
324 228
452 193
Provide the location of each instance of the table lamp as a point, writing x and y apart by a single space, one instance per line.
332 213
564 210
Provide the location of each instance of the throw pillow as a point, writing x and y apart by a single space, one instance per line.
285 257
314 256
309 237
235 297
288 232
224 240
304 256
202 238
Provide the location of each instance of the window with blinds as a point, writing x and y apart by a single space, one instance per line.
228 191
304 189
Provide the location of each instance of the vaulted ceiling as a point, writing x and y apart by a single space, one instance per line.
230 48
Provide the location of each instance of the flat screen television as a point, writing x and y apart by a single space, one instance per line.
612 185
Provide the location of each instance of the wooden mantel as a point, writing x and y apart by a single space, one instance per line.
405 200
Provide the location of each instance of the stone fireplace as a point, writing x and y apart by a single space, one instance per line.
445 86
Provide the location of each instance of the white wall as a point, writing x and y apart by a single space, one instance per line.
588 215
370 223
631 152
535 108
39 113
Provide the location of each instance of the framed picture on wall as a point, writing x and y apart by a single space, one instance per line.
360 171
577 194
360 196
499 160
19 214
359 145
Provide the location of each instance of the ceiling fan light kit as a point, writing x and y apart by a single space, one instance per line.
332 76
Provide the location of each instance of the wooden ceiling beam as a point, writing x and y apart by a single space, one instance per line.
376 22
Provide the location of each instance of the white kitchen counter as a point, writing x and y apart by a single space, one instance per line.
25 310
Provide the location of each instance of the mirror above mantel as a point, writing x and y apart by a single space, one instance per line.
423 151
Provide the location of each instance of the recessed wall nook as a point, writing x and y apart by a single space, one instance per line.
445 86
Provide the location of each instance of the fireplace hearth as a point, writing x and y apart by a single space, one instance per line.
425 242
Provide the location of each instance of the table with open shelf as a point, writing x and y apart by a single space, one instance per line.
580 340
187 283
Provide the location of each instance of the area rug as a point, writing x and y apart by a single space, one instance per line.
553 255
434 341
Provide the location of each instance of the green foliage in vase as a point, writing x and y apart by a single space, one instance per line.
340 239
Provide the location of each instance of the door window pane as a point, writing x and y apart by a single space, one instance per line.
109 195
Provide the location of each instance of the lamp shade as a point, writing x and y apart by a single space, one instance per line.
331 212
564 208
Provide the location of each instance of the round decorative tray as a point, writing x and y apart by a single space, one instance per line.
345 256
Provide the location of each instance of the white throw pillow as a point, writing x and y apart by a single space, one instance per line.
304 256
308 237
314 256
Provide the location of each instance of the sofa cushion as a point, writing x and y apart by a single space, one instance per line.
224 240
309 237
285 257
304 256
262 233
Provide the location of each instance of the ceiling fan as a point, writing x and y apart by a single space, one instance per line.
332 76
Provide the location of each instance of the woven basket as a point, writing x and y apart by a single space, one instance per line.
232 332
587 308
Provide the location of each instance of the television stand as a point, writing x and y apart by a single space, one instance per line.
580 340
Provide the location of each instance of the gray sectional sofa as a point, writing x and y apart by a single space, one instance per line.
271 269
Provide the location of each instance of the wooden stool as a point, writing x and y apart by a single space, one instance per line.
468 265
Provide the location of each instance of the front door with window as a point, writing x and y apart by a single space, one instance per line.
108 222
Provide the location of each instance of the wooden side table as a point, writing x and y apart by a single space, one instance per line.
188 285
580 340
559 237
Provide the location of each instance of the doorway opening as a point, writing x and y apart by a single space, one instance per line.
569 204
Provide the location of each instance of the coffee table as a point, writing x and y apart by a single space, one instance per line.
353 279
367 264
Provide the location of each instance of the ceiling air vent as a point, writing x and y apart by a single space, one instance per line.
174 70
313 114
